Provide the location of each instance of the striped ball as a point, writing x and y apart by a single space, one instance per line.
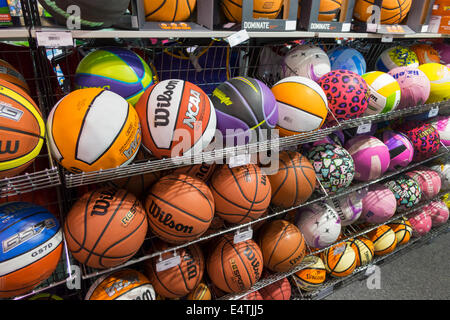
401 150
312 276
117 69
439 213
340 259
379 204
384 240
397 56
421 223
402 228
364 250
428 180
370 155
385 92
299 115
344 58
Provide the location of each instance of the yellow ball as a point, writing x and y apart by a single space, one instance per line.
439 76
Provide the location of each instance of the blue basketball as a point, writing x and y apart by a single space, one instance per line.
31 243
343 58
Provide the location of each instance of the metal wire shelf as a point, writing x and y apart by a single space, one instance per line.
350 232
88 272
334 283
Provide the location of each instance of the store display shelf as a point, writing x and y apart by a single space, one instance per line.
88 272
147 166
350 232
362 272
29 182
14 33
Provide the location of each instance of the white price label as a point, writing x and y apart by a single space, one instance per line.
54 39
433 112
239 160
241 236
372 27
424 28
364 128
386 38
238 38
168 263
346 27
290 25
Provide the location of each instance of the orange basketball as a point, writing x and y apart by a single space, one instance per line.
234 267
22 130
328 10
137 185
294 182
402 228
255 295
392 11
242 194
10 74
282 245
267 9
179 280
279 290
168 10
105 227
364 250
340 259
384 240
180 208
201 292
202 171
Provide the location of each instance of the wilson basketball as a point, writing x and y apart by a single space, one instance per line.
201 171
384 240
201 292
22 130
312 276
339 260
392 11
294 182
125 284
32 244
267 9
105 228
180 280
402 228
246 110
299 115
137 185
92 129
242 194
364 250
279 290
282 245
168 10
234 267
174 110
10 74
180 208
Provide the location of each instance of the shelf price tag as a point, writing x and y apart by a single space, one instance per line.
168 263
54 39
241 236
239 160
372 27
387 38
364 128
238 38
433 112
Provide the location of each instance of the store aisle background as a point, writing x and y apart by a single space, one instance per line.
420 273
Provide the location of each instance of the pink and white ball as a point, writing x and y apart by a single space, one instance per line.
349 208
428 180
401 150
414 86
319 223
378 205
370 155
442 125
439 213
421 223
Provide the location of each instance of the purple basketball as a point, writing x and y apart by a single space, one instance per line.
378 205
246 109
414 86
401 150
370 155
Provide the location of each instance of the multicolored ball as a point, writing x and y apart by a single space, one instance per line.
347 94
406 190
401 150
424 138
333 165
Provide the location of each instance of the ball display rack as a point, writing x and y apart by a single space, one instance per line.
246 63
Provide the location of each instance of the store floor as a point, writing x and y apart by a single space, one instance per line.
420 273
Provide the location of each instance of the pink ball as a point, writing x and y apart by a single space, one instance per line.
401 150
428 180
442 125
378 205
439 213
421 223
414 86
370 155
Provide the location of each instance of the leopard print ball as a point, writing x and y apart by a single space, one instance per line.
347 94
424 138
